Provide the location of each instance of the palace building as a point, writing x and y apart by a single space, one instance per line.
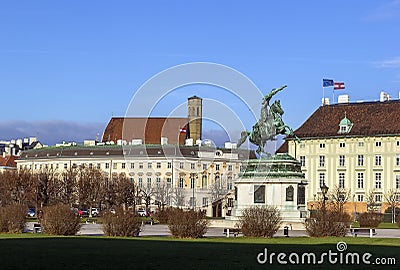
355 146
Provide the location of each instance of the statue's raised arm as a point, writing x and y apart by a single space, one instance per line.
273 92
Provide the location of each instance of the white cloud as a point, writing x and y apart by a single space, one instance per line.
389 63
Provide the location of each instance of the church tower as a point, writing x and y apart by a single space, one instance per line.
195 113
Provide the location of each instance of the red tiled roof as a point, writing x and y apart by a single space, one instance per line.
8 161
368 118
150 130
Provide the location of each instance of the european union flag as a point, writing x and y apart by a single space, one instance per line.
327 82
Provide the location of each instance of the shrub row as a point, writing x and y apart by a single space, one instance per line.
59 220
260 221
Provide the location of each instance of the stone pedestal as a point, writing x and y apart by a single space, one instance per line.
275 181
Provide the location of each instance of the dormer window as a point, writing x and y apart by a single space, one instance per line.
345 125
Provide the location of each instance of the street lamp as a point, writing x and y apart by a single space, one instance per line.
324 190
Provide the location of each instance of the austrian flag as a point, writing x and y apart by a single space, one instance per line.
182 130
338 86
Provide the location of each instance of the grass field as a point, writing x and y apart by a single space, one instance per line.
30 251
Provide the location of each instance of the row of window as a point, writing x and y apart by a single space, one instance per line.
342 160
123 166
181 182
343 144
360 180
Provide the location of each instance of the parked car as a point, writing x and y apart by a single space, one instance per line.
83 212
142 213
95 212
31 212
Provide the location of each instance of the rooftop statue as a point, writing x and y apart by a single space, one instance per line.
269 125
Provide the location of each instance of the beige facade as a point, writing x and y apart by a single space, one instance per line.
361 164
193 169
355 146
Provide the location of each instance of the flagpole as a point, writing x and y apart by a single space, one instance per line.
323 93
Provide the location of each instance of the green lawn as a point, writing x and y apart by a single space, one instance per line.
30 251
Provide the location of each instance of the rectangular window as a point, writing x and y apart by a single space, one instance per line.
140 165
398 160
360 180
181 165
341 160
378 180
342 145
204 181
205 201
360 160
303 161
169 182
149 165
149 182
115 166
107 165
192 182
158 165
378 160
181 182
378 144
158 181
140 182
397 181
192 202
230 184
192 166
360 197
204 166
378 198
65 166
230 202
169 165
322 161
360 144
321 179
90 166
217 167
123 165
229 167
322 145
259 194
132 165
341 180
98 166
398 143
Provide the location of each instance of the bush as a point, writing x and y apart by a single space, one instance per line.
398 221
121 223
370 219
187 224
163 215
327 223
59 220
260 221
12 218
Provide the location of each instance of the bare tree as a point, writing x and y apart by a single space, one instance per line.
162 194
90 187
178 196
339 197
47 187
218 190
145 195
126 191
391 197
68 186
372 204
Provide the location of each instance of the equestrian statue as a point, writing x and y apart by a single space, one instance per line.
269 125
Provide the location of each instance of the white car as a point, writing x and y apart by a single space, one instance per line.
142 213
95 212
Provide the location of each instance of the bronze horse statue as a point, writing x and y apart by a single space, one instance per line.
269 125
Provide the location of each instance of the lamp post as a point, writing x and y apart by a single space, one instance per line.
324 190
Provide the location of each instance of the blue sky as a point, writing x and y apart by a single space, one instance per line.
67 66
